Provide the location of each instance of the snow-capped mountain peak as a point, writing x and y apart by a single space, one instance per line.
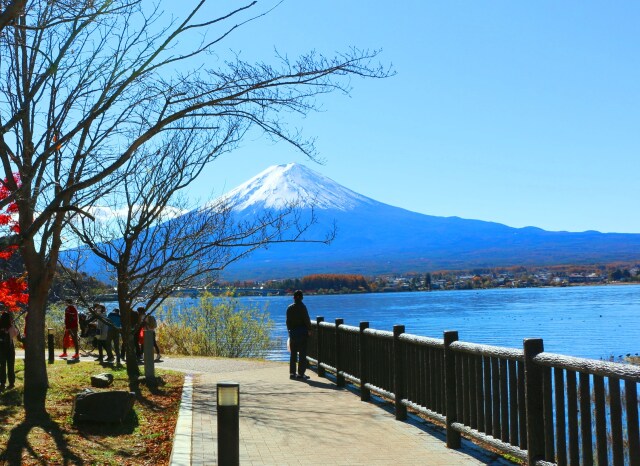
293 183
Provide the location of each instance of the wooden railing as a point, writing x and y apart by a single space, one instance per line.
542 408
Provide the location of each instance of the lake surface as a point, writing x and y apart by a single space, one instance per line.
592 321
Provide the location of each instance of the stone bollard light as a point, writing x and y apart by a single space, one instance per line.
228 402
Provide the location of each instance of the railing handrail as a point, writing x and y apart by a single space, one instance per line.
378 333
590 366
514 390
619 370
420 340
501 352
349 329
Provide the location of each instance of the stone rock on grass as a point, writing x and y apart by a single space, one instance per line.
103 380
109 406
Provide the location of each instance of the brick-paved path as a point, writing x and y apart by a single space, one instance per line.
289 422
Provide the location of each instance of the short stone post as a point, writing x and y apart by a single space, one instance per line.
365 393
149 370
398 372
453 437
50 345
534 400
339 378
319 319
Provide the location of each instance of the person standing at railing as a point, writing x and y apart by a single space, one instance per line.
299 327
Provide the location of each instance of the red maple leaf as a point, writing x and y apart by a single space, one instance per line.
13 290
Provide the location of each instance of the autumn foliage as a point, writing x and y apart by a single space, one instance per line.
13 288
334 282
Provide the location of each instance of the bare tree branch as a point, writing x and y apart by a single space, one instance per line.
88 89
151 255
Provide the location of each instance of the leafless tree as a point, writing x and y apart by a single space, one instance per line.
86 85
149 251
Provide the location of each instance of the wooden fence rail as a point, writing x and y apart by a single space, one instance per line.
543 408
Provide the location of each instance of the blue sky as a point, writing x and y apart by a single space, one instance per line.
523 113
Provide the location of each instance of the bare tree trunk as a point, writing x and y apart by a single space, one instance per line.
36 382
40 272
128 326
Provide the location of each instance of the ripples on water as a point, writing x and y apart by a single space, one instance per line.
592 322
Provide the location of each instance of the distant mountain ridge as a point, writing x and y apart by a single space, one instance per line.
376 238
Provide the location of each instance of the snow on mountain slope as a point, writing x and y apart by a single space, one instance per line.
375 238
281 185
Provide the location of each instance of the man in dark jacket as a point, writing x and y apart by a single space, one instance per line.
299 327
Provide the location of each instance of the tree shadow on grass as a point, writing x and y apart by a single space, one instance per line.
19 438
10 403
19 441
149 403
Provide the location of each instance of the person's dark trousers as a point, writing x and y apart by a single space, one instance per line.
298 344
107 347
155 345
113 343
123 349
7 362
102 348
137 345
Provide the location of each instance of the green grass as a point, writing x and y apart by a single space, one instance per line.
144 437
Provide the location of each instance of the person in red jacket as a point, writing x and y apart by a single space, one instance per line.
70 330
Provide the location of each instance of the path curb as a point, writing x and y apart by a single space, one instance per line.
181 451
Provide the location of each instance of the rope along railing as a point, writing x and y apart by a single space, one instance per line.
542 408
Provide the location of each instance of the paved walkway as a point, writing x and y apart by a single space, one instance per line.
290 422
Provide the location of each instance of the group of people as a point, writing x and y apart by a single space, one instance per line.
106 330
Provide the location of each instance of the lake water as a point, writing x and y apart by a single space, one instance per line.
591 321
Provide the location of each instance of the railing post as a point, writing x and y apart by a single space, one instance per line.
534 400
365 394
319 319
398 371
453 437
339 378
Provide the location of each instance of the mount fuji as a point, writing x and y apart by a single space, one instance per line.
376 238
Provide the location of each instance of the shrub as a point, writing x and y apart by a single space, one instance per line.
54 319
215 327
